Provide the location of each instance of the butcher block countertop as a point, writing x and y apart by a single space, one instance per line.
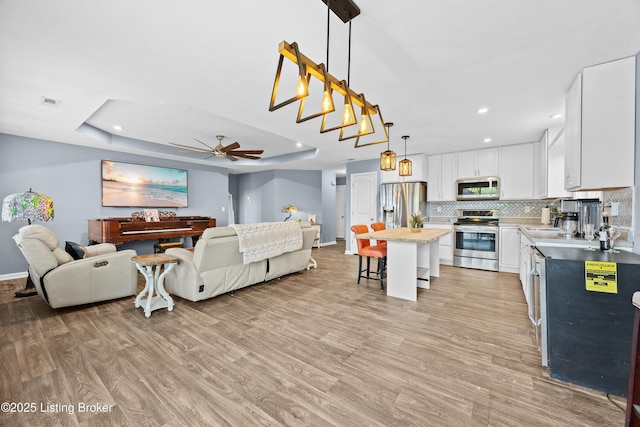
404 234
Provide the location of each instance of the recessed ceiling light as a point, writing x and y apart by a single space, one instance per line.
556 116
298 144
483 110
118 127
487 140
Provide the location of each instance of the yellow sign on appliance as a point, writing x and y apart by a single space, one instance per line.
601 276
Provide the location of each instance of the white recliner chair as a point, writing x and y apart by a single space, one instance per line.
101 273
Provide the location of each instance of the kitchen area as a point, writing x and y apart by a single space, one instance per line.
559 214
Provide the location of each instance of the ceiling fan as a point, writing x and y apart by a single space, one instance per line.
230 151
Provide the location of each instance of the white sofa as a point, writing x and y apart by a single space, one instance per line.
99 274
216 265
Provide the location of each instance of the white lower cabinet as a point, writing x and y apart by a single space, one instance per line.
446 242
509 249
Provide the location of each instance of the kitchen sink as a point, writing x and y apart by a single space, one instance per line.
544 229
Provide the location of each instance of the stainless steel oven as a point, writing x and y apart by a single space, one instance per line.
476 239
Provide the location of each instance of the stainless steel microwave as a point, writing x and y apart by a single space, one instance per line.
486 188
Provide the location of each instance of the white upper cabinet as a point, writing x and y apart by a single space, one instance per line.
516 172
555 165
418 172
540 177
441 177
600 127
478 163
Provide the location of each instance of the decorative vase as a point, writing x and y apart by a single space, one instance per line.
415 229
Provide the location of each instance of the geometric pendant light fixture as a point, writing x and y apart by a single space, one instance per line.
369 129
405 165
388 158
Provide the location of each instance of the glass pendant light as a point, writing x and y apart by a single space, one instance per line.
388 158
405 165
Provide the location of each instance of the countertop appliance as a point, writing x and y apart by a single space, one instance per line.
589 333
398 201
579 212
476 237
478 188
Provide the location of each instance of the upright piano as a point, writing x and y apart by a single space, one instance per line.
121 230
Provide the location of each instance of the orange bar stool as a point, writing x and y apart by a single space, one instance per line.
379 226
365 249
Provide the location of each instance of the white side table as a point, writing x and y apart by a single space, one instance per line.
154 281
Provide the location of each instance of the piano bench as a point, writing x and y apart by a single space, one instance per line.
160 247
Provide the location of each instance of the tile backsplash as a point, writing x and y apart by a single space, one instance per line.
624 198
508 209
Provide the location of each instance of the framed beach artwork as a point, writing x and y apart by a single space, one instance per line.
134 185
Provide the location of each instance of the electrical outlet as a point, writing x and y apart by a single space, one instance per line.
439 209
614 208
224 209
527 209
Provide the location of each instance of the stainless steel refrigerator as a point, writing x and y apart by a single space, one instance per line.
398 201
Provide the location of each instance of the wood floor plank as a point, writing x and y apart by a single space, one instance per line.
311 348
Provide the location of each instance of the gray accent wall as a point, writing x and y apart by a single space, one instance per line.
71 176
260 197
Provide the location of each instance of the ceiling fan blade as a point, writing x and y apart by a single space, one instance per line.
246 152
206 145
190 147
198 153
230 147
233 159
246 156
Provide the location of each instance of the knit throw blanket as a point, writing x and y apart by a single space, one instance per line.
267 239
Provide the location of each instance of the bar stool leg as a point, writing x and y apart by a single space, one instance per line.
359 268
381 269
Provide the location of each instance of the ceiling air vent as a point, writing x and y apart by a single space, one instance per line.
49 102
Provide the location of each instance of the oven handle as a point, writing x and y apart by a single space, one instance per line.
476 228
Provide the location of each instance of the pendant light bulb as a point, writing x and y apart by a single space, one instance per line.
348 116
327 102
365 125
301 88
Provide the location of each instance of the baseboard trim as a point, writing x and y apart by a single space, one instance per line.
12 276
328 243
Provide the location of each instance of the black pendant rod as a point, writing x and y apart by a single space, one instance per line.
328 20
349 57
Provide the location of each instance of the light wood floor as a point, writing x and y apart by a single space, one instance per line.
309 349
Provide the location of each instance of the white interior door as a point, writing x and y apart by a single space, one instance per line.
363 199
341 210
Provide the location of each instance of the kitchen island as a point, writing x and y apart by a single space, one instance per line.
412 258
590 316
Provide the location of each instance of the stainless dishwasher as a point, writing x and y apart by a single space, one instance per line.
537 303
